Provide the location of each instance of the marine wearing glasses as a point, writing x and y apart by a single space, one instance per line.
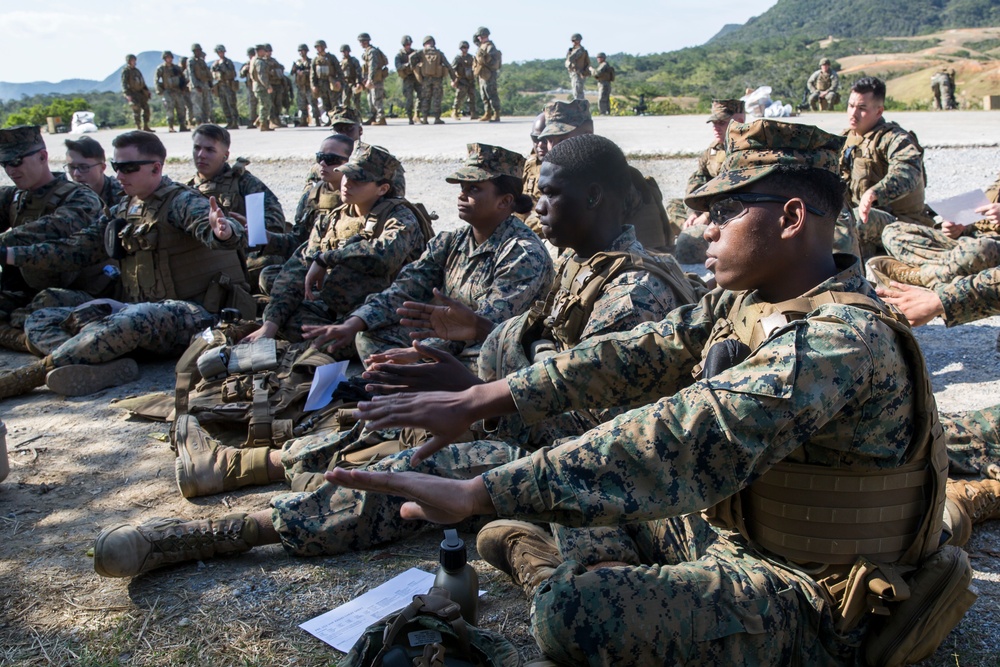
726 210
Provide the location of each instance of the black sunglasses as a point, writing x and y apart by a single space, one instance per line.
130 167
18 161
720 213
331 159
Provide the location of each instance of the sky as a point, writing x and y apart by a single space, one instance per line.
58 39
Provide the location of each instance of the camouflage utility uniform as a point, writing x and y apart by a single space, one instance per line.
246 73
691 245
578 66
226 86
604 75
201 88
351 67
465 84
373 72
301 73
171 85
408 81
823 90
431 66
487 68
260 75
328 80
135 91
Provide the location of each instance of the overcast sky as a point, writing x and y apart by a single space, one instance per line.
57 39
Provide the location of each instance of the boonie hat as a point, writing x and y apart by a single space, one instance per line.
486 162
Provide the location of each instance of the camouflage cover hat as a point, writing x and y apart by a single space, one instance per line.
726 109
167 54
463 44
486 162
406 40
564 117
824 61
220 47
344 47
576 37
428 38
345 115
754 150
364 37
18 141
320 42
370 164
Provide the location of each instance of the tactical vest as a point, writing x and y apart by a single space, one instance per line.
301 70
25 208
378 64
164 262
820 514
133 80
463 68
432 66
824 81
322 68
568 306
200 75
224 70
171 76
275 74
351 69
225 188
866 166
403 68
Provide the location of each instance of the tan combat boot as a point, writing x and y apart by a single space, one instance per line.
22 380
971 502
523 550
265 125
884 269
495 118
146 127
381 121
455 114
85 379
125 551
204 467
438 121
13 338
487 115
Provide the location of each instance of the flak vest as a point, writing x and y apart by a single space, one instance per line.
163 262
866 166
225 189
432 65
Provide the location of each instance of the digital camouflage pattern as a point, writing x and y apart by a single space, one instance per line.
370 163
408 81
465 83
245 74
324 76
487 67
485 162
604 74
430 65
832 388
373 63
137 94
578 66
20 140
970 297
725 110
301 71
260 76
344 114
938 258
499 278
170 85
973 439
226 86
111 193
201 87
529 181
823 89
351 67
564 117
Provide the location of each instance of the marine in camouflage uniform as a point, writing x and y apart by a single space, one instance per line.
351 67
170 85
407 79
226 87
822 85
358 260
943 88
136 93
430 66
465 82
260 75
281 99
301 72
885 163
326 78
201 85
578 66
186 90
373 73
690 245
245 74
487 69
604 74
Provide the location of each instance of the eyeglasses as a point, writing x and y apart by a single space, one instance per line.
82 168
331 159
726 210
130 167
18 161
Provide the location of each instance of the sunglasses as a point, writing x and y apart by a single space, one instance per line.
726 210
130 167
331 159
82 168
18 161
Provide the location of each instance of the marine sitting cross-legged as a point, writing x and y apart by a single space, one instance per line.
802 380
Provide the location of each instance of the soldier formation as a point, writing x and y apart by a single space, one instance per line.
689 448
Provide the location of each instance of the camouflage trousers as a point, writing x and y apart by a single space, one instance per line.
409 85
973 439
20 309
431 92
708 600
264 101
576 82
89 335
940 258
333 520
188 104
227 100
861 239
463 91
325 96
252 105
308 108
824 100
173 107
350 98
604 97
376 101
491 98
140 110
202 100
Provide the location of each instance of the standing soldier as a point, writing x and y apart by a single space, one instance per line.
201 85
170 84
135 91
374 69
406 76
351 69
465 81
822 85
429 67
186 90
246 75
604 74
943 86
260 73
281 98
327 79
226 85
301 72
487 68
578 65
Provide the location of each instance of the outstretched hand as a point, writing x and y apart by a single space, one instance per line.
217 218
332 336
919 304
449 319
390 376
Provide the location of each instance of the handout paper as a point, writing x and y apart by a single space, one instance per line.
961 208
256 231
324 382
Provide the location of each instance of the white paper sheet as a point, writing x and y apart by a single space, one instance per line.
256 232
341 627
324 382
961 208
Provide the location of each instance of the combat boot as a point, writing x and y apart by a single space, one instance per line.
381 121
411 120
84 379
523 550
204 467
170 128
970 502
423 120
22 380
438 121
886 269
146 127
125 551
265 126
13 338
486 116
495 118
183 128
456 115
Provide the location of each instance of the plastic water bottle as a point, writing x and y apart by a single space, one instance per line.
458 577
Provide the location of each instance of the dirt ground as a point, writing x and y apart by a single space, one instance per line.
79 465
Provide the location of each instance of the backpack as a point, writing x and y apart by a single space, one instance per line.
430 632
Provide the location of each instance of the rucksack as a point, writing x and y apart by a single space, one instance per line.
430 632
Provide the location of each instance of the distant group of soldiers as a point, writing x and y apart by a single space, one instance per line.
579 67
822 88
